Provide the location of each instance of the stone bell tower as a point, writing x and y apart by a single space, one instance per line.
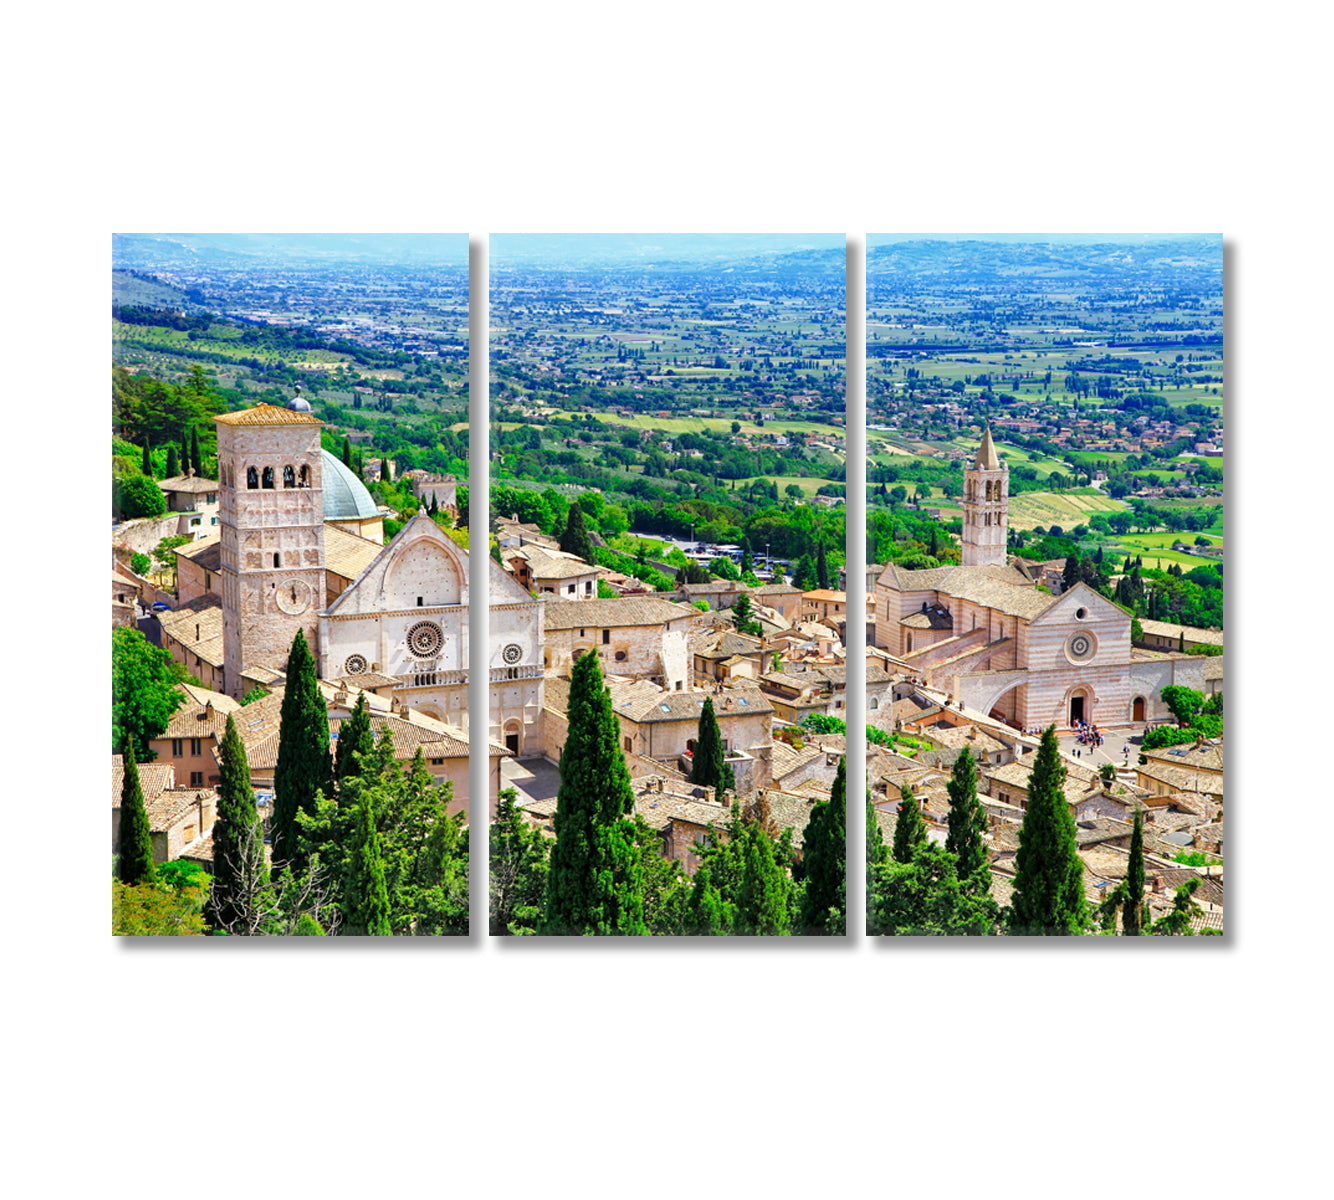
986 508
271 521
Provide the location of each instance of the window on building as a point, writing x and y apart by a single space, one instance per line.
267 479
196 778
196 747
251 477
305 477
606 636
277 559
176 744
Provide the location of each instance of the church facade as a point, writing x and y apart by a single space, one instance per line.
403 618
983 632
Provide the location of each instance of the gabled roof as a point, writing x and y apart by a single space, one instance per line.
267 414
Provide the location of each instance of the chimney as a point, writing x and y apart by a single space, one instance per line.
208 710
1157 884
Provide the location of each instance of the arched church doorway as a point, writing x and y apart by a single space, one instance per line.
1137 709
1077 712
513 737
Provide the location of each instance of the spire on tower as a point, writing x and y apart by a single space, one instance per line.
986 453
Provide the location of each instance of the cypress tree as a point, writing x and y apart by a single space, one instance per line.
1048 897
709 767
347 454
909 827
304 764
355 737
595 882
968 824
147 465
185 452
134 862
574 539
1134 882
234 832
173 469
826 857
707 914
821 566
195 460
762 896
1070 574
366 894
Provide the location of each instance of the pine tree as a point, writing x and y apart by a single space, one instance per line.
134 861
909 827
233 832
518 879
825 857
707 913
968 824
304 765
1048 896
574 539
594 884
1134 882
1070 574
355 737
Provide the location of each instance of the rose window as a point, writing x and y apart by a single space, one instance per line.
425 639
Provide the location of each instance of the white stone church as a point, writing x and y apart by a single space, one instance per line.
402 621
983 632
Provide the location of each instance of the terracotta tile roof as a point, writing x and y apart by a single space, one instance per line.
347 554
267 414
643 707
612 614
1167 629
206 553
168 807
154 779
191 720
193 484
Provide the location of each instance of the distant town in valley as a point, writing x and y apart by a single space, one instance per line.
668 651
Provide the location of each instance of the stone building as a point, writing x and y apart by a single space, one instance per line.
639 637
985 632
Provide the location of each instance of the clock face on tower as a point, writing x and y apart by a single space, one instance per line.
292 596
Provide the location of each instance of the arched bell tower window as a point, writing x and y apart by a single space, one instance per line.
305 477
268 477
251 477
289 476
277 559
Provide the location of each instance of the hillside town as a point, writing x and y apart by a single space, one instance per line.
978 657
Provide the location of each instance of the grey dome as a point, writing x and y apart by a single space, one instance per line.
345 496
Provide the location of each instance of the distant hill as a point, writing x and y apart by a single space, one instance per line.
146 250
1188 264
129 288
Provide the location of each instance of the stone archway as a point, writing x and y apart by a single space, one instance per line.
1138 707
514 738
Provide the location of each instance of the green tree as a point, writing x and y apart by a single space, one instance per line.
707 913
237 836
137 496
821 565
824 901
304 767
173 463
134 858
1184 702
709 767
354 738
196 463
146 466
366 893
924 897
519 863
1178 922
144 694
1048 898
761 902
968 826
909 827
805 576
575 538
1134 882
594 884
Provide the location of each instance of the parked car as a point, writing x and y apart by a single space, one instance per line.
161 606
